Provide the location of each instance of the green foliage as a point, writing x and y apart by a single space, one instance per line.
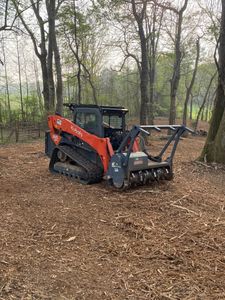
213 30
68 16
162 88
32 109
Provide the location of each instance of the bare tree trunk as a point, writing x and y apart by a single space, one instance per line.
139 17
206 109
48 101
20 81
202 114
68 89
6 82
189 89
211 103
219 154
38 89
27 84
59 83
79 88
152 44
77 54
53 48
74 86
25 72
50 11
1 118
49 106
127 87
88 74
42 53
214 149
191 106
177 63
203 102
51 84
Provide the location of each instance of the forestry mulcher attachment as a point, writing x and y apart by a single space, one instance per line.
96 145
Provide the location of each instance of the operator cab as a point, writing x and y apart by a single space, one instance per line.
102 121
114 124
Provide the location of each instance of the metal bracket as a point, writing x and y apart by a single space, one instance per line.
137 129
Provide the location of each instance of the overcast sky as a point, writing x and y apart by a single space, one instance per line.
114 56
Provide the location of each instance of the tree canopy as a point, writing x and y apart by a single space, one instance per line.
158 58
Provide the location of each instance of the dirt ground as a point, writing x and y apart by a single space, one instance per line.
62 240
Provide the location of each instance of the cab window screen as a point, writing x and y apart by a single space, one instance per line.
112 121
87 121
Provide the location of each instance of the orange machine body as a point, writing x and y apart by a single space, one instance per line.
102 146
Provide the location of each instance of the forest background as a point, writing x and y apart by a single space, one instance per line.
157 58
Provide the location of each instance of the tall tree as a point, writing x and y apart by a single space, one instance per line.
20 78
54 49
139 12
45 49
6 81
177 64
190 87
38 88
40 53
154 25
214 149
204 102
79 34
7 16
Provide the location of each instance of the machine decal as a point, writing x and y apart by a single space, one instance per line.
59 122
115 165
138 162
74 129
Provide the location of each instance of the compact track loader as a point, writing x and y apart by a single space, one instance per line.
95 145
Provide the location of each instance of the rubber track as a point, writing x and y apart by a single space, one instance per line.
93 171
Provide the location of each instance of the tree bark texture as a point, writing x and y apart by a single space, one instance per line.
214 149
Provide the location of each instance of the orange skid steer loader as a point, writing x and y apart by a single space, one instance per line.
95 145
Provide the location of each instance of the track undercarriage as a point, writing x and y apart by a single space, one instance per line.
67 161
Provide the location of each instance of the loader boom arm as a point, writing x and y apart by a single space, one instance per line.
102 146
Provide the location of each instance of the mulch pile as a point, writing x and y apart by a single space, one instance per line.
62 240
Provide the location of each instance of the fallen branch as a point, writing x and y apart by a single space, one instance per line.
203 164
185 208
183 197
